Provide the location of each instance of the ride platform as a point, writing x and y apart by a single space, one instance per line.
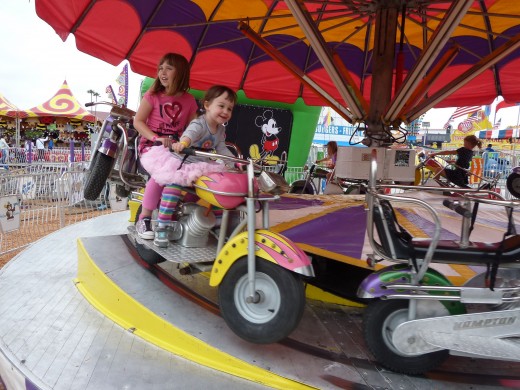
79 310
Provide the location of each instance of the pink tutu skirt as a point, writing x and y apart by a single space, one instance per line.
163 166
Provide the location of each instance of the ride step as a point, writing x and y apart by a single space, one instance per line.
177 253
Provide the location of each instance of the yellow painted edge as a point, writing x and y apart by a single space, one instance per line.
334 255
316 293
114 303
464 271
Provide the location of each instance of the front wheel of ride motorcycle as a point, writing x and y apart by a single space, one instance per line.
380 319
513 184
98 172
280 302
148 255
299 187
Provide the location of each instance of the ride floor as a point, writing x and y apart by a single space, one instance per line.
86 314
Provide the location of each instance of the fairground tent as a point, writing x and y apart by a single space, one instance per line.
63 104
8 109
10 117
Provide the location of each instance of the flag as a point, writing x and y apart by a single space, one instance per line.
122 91
504 104
487 110
467 124
448 123
475 117
460 111
111 95
326 119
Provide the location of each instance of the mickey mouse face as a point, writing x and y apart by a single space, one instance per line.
267 123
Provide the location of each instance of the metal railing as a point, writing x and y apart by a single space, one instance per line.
38 199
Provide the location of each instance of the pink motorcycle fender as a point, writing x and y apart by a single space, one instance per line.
269 246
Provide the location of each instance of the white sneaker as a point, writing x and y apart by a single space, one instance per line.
144 229
161 237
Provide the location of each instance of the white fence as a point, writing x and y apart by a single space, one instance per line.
38 199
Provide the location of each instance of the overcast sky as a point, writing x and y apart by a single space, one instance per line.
34 62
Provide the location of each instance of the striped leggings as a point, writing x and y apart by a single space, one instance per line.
171 195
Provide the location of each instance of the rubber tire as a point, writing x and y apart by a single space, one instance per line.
148 255
271 324
375 315
297 187
98 172
513 184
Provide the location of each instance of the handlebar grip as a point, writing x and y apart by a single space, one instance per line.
188 151
89 104
455 206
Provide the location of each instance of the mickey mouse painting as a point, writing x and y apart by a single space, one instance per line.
270 141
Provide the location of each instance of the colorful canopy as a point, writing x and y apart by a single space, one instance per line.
373 61
498 134
62 104
9 109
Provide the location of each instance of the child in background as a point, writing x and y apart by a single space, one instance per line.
163 114
330 159
464 155
207 132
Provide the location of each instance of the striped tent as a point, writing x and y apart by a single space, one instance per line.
9 109
62 104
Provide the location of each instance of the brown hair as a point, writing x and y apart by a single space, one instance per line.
181 82
215 91
333 145
473 141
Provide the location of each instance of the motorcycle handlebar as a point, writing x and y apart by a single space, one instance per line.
191 151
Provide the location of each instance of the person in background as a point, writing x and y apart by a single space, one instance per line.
329 160
162 116
40 148
50 145
4 149
489 148
458 176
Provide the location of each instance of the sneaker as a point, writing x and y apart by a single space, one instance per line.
144 229
161 237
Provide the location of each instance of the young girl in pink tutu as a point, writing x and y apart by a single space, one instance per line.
207 132
164 112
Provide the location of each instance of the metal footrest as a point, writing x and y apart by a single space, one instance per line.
175 252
